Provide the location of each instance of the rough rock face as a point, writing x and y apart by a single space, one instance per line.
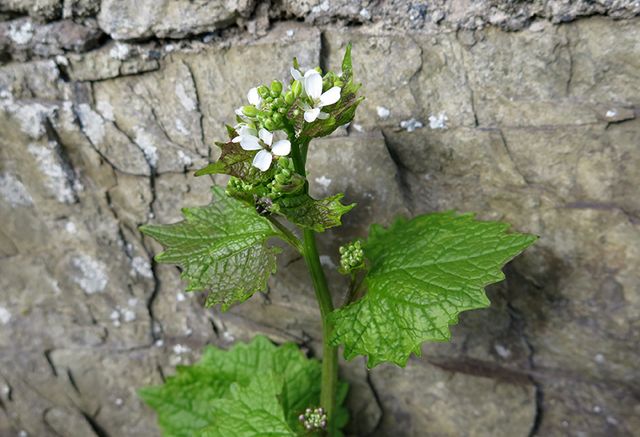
523 111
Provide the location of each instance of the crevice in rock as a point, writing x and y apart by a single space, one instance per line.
571 65
198 108
472 95
214 328
378 401
47 356
401 175
324 52
72 381
513 161
95 426
473 367
518 322
65 162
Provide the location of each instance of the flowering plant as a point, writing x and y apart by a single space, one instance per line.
409 281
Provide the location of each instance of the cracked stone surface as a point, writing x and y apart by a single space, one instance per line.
527 112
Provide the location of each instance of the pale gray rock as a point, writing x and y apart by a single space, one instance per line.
538 127
168 19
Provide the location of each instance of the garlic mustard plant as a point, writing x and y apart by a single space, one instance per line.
409 281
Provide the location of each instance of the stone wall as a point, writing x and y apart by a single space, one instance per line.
527 112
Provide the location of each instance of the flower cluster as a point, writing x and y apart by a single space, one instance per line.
351 257
274 112
267 148
313 419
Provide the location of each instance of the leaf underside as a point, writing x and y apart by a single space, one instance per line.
221 247
253 389
307 212
423 273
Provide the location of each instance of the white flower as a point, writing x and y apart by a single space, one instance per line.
313 88
295 73
253 97
264 143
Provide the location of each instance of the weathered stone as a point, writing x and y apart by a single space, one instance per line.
218 73
23 38
168 19
47 9
444 403
538 128
112 60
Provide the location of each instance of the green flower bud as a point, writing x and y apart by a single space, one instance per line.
282 110
269 125
289 98
268 99
276 88
296 112
296 88
250 110
338 83
277 118
286 180
313 420
351 257
279 102
263 91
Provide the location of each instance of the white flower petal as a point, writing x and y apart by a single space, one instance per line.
249 142
281 148
239 112
296 74
254 97
245 130
310 72
311 115
323 115
237 139
262 160
266 136
313 85
330 97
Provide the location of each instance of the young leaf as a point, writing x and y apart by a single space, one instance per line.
251 411
221 247
346 64
224 383
184 402
310 213
233 161
423 274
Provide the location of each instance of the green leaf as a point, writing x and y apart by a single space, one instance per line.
276 382
251 411
310 213
346 64
221 247
184 402
423 274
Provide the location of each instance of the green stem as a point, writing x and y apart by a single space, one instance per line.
287 234
329 353
312 259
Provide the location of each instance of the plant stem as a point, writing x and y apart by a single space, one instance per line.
329 353
312 259
288 235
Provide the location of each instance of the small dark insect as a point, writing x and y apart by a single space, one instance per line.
263 206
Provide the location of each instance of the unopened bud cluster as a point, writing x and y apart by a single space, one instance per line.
285 179
314 419
351 257
272 108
